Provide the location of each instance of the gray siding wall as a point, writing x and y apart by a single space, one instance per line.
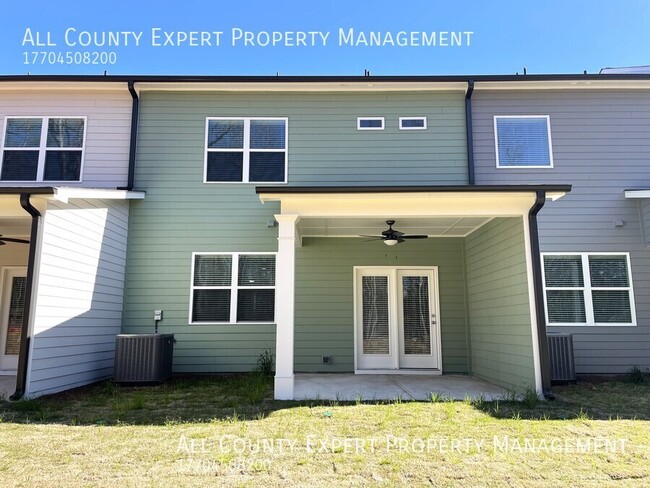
324 321
182 215
108 131
601 145
498 305
644 207
80 280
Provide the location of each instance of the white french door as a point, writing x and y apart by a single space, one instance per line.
397 319
11 316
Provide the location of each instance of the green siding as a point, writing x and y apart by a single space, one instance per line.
324 321
498 305
181 214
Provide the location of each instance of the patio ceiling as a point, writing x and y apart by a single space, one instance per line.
355 226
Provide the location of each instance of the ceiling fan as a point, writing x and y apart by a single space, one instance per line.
4 240
391 236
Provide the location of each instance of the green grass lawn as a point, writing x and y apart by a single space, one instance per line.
227 431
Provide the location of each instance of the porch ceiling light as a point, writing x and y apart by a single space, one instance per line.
390 242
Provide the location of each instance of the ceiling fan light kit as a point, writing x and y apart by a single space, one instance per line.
392 237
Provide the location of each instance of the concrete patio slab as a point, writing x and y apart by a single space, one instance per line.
7 386
350 387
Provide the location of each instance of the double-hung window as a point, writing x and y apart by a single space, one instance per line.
246 150
232 288
43 148
588 289
523 141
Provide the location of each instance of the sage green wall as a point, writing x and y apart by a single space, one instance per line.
181 214
324 321
498 305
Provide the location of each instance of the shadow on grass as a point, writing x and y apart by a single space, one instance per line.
250 397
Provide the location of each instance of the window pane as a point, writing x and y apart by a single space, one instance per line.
565 306
23 133
563 271
257 270
62 166
413 123
612 306
19 165
523 141
375 314
212 270
225 166
371 123
417 321
608 271
266 166
255 305
268 134
226 134
211 306
65 133
15 319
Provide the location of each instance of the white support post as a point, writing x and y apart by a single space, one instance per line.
284 305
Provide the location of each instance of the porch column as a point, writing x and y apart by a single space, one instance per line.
284 305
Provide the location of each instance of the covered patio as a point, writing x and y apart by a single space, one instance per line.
465 299
357 387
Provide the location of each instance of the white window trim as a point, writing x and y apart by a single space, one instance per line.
234 287
587 289
246 150
42 148
548 133
402 119
383 123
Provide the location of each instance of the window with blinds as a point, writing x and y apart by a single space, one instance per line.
246 150
232 288
588 289
523 141
43 148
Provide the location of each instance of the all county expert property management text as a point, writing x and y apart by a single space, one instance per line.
74 37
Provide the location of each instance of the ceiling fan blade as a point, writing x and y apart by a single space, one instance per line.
11 239
372 237
415 237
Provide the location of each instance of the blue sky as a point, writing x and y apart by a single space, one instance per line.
553 36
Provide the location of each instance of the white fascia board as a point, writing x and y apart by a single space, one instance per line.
63 194
637 193
426 204
563 85
63 86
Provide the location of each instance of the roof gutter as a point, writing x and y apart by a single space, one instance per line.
25 336
468 131
545 364
135 110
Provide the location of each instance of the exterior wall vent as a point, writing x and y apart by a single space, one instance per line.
560 348
143 358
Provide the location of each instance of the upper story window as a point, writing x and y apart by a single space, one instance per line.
370 123
246 150
43 148
412 123
232 288
523 141
588 289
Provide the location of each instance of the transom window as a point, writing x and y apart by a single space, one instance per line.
523 141
370 123
246 150
43 148
412 123
588 289
232 288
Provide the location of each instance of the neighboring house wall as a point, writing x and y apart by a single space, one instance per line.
324 320
181 214
600 146
498 305
108 130
80 281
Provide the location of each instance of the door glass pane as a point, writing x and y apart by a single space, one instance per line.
375 314
15 323
417 323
